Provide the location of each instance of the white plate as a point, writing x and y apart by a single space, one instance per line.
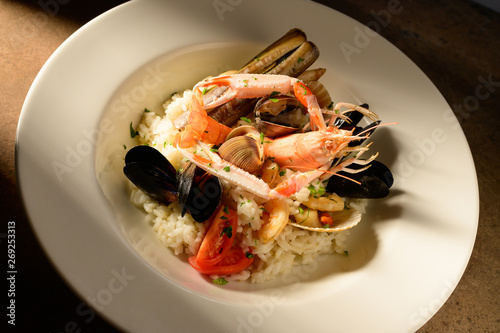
406 256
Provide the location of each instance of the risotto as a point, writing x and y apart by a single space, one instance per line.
293 246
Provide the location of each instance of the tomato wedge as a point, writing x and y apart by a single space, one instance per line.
234 262
219 238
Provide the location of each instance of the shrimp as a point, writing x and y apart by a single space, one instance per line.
276 216
312 152
200 127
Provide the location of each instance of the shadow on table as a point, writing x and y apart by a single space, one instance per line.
76 10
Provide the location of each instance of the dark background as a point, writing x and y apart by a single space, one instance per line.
453 42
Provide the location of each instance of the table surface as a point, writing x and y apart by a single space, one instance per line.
453 42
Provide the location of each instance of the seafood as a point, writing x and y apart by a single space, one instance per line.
342 220
295 163
196 191
311 152
276 216
244 149
290 55
201 127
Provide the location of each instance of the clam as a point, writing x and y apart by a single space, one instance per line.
195 190
271 115
244 148
343 220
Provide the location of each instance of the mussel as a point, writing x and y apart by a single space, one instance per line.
195 190
375 182
200 193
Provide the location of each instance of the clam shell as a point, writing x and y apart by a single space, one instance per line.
345 219
245 152
267 108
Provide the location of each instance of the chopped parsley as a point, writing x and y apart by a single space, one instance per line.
249 255
146 110
262 137
316 191
346 253
226 168
226 210
300 60
228 231
282 173
246 119
124 147
133 132
221 281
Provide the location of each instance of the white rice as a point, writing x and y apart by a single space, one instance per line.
183 235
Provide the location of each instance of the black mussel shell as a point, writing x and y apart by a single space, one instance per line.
152 173
150 155
185 178
152 180
354 117
375 182
204 198
200 193
367 131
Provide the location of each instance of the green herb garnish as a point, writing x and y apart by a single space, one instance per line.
228 231
246 119
248 255
221 281
133 132
226 168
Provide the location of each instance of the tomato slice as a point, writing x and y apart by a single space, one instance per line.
219 238
234 262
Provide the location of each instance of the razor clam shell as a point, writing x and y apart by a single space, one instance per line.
312 74
290 55
346 218
298 61
321 93
268 57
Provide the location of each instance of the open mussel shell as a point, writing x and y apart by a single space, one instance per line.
200 193
267 111
375 182
243 148
152 173
196 191
151 156
185 178
343 220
